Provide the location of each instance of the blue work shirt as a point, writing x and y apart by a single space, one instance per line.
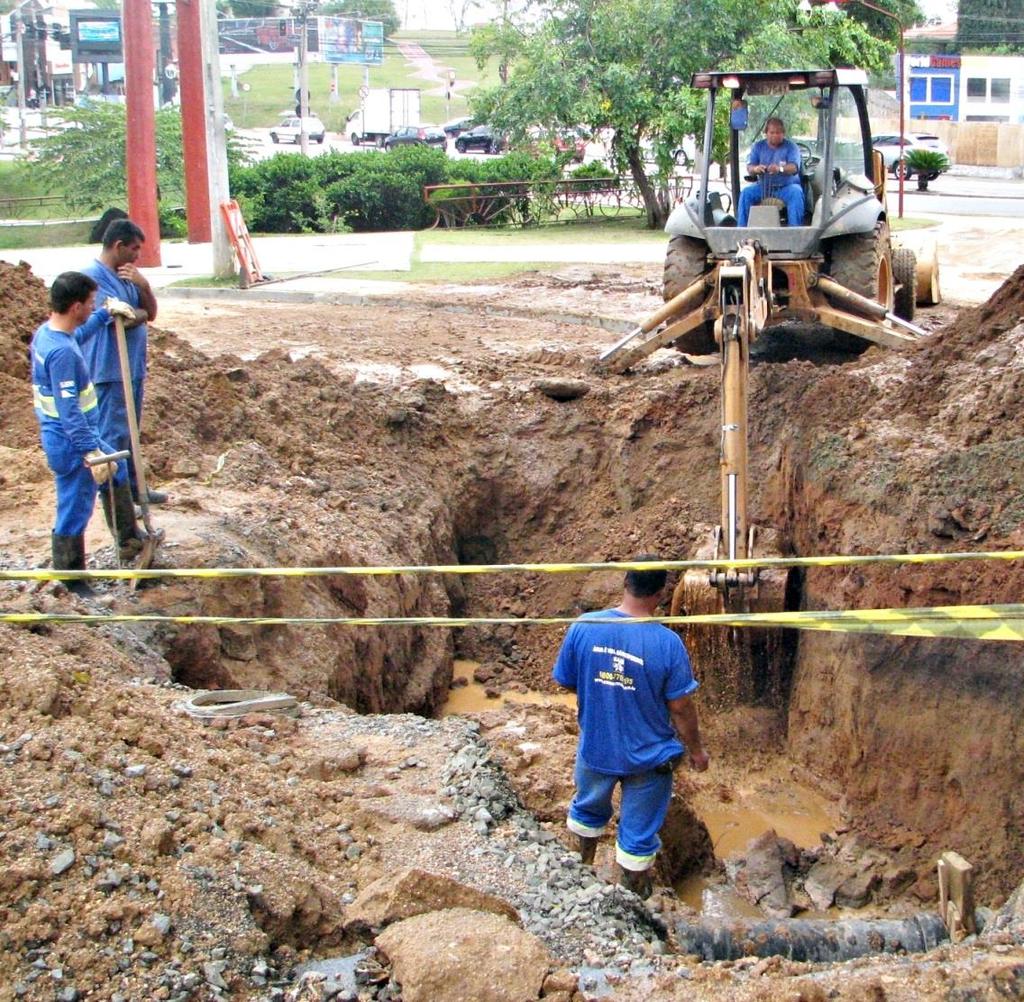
99 345
63 395
624 675
762 153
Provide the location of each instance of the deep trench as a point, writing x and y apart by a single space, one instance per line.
516 513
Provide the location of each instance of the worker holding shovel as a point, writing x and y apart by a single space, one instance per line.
115 273
65 403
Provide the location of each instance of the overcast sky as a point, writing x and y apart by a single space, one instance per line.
420 14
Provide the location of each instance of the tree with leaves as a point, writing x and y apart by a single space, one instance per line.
365 10
990 25
625 66
84 160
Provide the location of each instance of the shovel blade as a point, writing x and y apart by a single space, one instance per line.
145 558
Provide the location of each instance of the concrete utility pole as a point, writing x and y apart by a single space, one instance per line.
216 153
304 10
19 43
140 126
193 121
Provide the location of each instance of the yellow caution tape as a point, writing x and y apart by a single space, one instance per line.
541 568
971 622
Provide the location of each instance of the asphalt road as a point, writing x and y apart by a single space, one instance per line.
952 204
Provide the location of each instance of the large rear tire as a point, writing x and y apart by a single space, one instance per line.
862 263
904 272
686 260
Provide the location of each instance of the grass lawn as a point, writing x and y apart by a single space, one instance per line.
910 223
18 180
44 235
272 88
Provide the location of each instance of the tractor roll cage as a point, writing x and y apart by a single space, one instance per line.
780 82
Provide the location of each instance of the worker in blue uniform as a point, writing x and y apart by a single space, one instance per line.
115 273
634 687
65 404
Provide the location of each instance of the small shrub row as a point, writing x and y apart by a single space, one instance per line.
364 192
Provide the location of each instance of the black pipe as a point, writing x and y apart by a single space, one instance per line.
812 940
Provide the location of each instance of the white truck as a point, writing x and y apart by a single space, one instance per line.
381 112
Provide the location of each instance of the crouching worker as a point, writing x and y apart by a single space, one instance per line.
65 404
633 685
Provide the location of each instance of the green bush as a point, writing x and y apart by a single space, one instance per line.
373 191
173 224
931 163
282 194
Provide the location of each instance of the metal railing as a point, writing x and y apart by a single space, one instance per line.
15 208
528 203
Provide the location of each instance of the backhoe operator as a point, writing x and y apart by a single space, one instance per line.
775 160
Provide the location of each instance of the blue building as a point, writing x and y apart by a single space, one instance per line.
934 86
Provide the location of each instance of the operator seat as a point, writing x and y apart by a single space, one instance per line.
814 187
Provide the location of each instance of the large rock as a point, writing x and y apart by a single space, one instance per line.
759 875
459 954
409 892
824 879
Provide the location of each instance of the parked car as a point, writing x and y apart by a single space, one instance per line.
889 146
567 142
288 130
417 135
457 126
482 138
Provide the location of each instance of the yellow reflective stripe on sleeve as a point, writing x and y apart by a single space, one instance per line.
43 403
87 400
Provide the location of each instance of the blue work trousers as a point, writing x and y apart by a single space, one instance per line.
645 800
76 489
791 194
113 419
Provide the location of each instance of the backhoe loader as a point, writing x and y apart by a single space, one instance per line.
834 281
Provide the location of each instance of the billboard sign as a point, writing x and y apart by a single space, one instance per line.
257 35
347 40
95 36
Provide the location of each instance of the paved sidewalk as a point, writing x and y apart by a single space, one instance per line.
978 253
315 252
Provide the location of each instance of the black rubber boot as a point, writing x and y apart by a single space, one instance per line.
637 881
118 501
587 848
69 555
152 497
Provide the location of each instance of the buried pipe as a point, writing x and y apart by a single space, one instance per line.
810 940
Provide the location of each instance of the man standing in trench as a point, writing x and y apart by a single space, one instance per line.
633 686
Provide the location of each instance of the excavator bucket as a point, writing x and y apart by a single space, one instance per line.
739 666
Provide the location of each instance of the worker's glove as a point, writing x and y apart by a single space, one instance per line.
119 308
101 471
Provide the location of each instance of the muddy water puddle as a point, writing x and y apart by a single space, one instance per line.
768 801
472 697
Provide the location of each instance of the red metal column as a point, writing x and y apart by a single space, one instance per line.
140 138
193 121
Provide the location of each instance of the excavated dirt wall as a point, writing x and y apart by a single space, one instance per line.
922 453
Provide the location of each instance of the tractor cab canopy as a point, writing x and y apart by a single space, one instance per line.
824 112
778 81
